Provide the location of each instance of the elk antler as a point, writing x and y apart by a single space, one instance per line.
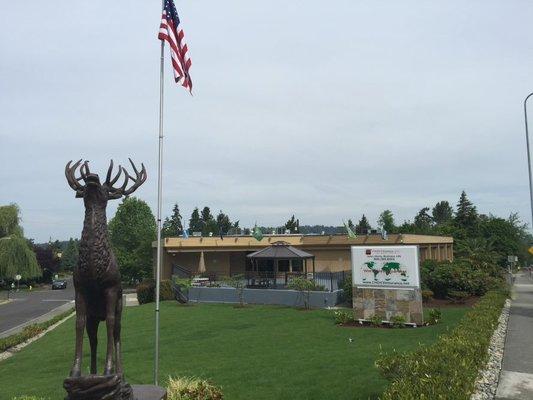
70 173
115 193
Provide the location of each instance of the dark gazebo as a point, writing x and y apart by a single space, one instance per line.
279 258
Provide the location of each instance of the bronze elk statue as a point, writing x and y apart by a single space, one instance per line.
97 280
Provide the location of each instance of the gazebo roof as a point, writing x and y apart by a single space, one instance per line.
280 250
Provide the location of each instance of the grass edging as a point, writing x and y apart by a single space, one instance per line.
30 332
447 369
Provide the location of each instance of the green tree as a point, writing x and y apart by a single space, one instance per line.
69 257
16 254
442 213
209 225
363 226
132 231
386 221
224 224
466 216
172 226
195 222
423 221
293 225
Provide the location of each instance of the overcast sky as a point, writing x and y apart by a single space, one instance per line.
322 109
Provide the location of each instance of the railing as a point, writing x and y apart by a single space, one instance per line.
330 281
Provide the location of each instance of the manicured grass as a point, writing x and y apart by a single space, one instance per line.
258 352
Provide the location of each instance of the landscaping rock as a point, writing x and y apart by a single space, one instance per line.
487 381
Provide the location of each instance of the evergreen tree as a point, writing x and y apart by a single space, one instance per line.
350 225
195 222
132 231
209 225
442 213
466 216
223 223
172 226
69 257
293 225
423 221
386 221
363 226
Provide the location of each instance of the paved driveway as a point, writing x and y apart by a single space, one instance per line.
32 307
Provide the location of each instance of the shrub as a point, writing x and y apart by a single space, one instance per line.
458 296
398 321
447 369
375 320
434 316
342 317
459 275
192 389
146 292
30 331
28 398
427 295
165 290
347 289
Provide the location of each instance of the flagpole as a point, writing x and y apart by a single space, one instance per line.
159 204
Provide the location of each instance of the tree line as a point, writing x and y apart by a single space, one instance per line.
133 230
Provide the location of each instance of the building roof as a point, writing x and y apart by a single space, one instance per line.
309 242
280 250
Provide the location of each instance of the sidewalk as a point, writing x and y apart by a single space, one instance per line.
516 378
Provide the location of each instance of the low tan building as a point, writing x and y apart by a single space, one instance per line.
332 252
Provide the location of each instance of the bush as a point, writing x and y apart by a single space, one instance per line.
427 295
30 331
165 290
460 275
342 317
434 316
398 321
347 289
28 398
447 369
375 320
192 389
458 296
146 292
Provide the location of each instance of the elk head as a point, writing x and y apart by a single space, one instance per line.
94 191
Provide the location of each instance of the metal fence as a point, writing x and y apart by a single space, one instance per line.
330 281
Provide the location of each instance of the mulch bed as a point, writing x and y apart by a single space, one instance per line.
445 303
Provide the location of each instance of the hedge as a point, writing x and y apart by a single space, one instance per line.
146 291
447 369
30 331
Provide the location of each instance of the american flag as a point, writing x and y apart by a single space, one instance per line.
170 31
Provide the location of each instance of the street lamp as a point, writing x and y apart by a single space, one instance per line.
529 159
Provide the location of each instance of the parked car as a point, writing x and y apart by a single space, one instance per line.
59 284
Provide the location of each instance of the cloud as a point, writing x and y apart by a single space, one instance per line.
324 112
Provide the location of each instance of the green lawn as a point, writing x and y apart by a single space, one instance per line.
259 352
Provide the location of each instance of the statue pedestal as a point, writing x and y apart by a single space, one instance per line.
149 392
110 387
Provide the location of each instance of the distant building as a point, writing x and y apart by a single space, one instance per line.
331 252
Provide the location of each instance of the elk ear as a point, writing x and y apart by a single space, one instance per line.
79 194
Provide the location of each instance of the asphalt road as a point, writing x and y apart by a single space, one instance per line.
30 307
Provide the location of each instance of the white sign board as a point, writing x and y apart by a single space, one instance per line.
388 267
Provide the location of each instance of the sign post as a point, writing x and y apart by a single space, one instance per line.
386 282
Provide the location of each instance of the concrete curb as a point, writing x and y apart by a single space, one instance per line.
15 349
489 375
